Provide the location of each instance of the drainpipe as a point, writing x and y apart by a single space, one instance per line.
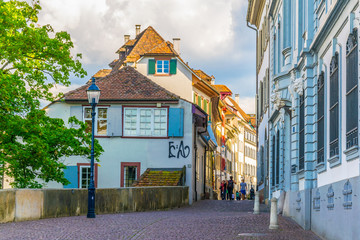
205 172
195 150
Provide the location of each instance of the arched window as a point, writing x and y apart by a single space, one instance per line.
334 105
347 192
352 90
320 119
277 156
330 197
302 131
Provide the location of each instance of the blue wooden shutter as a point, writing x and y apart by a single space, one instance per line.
78 113
115 121
173 63
176 122
71 175
151 66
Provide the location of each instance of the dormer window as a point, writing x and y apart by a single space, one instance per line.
162 66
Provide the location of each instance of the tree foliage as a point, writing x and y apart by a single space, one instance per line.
33 59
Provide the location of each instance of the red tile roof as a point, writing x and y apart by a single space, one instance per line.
238 108
147 42
124 84
102 73
222 88
203 75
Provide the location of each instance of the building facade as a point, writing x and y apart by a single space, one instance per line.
307 86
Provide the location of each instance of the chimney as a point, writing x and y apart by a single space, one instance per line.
237 98
212 80
176 43
126 38
137 29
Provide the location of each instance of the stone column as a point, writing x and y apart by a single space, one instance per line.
257 203
273 214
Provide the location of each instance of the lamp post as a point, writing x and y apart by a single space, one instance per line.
93 93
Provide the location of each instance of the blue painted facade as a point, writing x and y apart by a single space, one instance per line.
309 130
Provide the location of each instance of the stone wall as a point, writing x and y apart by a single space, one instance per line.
336 219
32 204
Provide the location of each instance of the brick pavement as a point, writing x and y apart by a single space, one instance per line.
209 219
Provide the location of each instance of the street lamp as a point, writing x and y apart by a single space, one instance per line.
93 93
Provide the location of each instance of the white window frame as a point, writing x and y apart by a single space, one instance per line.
80 176
97 119
152 122
162 61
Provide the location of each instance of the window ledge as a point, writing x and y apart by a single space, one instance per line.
334 161
321 167
301 173
352 153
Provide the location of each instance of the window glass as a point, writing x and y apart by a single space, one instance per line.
145 122
102 121
130 119
84 176
129 175
87 118
160 122
162 66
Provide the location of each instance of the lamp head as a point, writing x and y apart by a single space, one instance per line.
93 92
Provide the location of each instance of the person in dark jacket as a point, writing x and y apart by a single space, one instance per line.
230 187
223 190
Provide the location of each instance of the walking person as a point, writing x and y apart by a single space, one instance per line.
230 187
223 190
243 189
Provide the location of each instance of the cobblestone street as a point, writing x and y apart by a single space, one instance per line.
207 219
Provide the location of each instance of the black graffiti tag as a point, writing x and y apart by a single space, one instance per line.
182 150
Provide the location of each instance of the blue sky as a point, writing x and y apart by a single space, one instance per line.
214 35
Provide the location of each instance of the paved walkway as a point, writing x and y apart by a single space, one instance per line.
209 219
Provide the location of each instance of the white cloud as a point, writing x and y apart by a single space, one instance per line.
247 104
213 33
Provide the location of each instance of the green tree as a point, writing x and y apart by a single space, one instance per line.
33 59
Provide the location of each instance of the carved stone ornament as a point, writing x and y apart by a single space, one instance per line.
275 97
282 117
296 86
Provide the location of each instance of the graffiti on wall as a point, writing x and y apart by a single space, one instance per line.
177 150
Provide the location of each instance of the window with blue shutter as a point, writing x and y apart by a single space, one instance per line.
176 122
71 175
151 66
173 66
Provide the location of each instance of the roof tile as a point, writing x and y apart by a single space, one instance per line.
124 84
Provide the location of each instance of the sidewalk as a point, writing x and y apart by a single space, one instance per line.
208 219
